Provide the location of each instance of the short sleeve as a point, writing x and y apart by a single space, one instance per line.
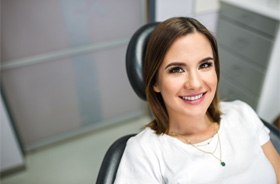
257 125
138 165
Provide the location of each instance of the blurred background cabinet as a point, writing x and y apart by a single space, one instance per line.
246 40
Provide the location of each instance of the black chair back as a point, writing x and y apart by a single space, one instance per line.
111 161
135 57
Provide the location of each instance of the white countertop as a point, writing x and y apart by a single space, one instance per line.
269 8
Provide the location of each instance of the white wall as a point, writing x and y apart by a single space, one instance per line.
10 154
269 105
206 11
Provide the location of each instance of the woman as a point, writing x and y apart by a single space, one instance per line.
194 138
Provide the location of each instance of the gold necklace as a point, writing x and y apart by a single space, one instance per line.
212 153
187 141
201 144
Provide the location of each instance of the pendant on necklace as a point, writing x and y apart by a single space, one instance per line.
223 164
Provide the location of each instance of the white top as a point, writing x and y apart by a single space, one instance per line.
150 158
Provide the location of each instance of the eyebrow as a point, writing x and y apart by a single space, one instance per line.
175 64
183 64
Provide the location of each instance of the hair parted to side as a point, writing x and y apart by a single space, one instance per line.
159 43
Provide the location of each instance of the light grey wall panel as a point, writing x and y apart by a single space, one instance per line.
64 65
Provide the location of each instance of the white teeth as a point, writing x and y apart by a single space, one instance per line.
192 97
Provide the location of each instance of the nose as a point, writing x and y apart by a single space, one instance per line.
193 81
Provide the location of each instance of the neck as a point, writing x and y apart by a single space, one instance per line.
190 126
194 130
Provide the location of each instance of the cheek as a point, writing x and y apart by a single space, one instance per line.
212 80
171 85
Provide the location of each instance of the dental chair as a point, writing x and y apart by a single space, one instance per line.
134 61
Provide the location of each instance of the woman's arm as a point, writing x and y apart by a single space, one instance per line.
273 157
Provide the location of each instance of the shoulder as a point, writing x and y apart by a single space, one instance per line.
141 148
239 116
144 140
234 106
238 110
238 113
139 163
148 146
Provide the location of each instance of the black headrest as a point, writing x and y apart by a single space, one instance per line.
135 54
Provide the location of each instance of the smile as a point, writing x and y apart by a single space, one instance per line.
192 98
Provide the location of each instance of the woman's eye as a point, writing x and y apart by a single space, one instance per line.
176 69
206 65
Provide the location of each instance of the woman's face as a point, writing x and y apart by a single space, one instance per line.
187 79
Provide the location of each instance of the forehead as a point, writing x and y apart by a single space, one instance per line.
191 47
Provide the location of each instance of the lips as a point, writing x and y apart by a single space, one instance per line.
193 97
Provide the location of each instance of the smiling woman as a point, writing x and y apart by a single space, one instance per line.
193 134
188 49
187 80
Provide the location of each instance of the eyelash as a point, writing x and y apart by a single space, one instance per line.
178 69
208 65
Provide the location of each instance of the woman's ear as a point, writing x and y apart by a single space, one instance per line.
156 88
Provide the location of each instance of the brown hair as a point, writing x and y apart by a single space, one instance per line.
159 42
